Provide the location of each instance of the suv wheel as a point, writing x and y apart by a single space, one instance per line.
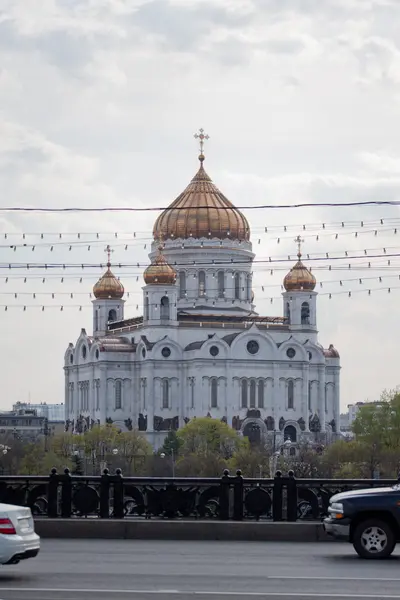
374 539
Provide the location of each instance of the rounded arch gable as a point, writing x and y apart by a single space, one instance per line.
267 346
223 348
176 349
301 353
316 352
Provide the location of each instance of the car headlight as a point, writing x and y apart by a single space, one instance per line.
336 510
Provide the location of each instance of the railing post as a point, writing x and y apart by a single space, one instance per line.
224 496
277 497
66 495
291 485
105 495
52 495
238 496
118 512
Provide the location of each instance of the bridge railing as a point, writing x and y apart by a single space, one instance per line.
230 497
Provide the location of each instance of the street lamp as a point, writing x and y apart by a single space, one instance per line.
273 462
162 455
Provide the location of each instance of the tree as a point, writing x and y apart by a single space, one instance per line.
206 436
134 448
38 462
77 465
253 461
377 430
172 444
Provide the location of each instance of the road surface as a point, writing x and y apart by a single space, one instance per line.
152 570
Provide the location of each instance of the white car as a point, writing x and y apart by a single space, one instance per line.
18 540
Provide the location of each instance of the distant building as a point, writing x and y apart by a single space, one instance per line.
53 413
23 425
347 419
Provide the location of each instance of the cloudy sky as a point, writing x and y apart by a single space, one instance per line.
99 101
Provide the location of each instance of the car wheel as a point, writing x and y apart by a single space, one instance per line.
374 538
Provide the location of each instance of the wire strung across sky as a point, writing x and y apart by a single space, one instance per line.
329 295
76 209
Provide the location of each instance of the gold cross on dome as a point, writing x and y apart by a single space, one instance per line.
108 250
201 136
299 241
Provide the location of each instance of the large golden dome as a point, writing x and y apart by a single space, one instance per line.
159 272
299 278
201 211
108 286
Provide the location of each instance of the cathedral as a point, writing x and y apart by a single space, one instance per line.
201 349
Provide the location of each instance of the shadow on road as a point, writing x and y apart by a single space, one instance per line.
355 558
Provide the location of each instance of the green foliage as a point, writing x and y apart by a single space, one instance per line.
208 437
38 462
253 461
172 444
77 466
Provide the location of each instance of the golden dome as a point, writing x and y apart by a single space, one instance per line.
299 278
108 286
201 211
159 272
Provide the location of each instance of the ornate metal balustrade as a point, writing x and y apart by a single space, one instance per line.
227 497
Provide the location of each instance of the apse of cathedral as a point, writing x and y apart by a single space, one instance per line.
200 348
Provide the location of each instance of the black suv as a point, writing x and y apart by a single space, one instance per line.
369 519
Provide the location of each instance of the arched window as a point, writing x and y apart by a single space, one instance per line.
261 394
214 393
164 310
287 312
146 308
309 396
252 394
292 451
118 395
305 313
165 393
96 320
249 288
221 284
244 393
112 315
326 398
290 394
290 433
182 284
202 283
237 286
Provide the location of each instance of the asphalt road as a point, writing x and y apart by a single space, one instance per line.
152 570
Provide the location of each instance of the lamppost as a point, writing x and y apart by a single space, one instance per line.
273 461
162 455
4 450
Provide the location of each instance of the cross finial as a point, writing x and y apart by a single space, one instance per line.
299 241
108 250
201 136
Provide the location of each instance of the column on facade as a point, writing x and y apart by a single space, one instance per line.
321 397
103 395
336 398
305 412
275 394
151 399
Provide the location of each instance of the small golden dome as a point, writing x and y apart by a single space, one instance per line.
108 286
299 278
159 272
201 211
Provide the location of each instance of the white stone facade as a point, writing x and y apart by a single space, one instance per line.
201 349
